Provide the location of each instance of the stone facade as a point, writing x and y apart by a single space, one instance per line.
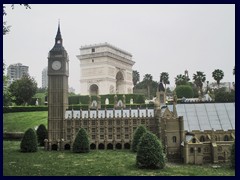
105 69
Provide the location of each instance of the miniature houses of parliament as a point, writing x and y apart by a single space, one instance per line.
114 128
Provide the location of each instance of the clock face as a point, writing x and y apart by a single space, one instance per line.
56 65
58 41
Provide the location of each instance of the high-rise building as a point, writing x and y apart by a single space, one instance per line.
105 69
44 78
16 71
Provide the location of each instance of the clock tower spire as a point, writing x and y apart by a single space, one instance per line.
57 94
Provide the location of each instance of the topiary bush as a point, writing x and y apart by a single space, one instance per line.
41 134
81 142
29 141
184 91
137 135
150 152
233 155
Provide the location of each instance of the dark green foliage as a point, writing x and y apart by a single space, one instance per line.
84 100
23 90
222 96
184 91
81 142
150 152
136 137
233 155
24 109
41 134
29 141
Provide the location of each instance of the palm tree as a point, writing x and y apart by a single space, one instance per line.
199 78
164 77
148 79
135 77
181 80
217 75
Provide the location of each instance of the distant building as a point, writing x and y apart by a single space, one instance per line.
228 85
44 78
105 69
16 71
71 90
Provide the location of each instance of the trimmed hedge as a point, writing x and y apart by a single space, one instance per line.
138 133
137 98
10 109
81 142
13 135
42 134
29 141
150 152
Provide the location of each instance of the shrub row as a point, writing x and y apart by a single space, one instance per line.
10 109
13 135
137 98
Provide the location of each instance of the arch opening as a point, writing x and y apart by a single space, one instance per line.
119 83
93 90
67 147
54 147
110 146
101 146
126 146
92 146
118 146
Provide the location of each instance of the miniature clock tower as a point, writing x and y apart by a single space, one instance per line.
58 72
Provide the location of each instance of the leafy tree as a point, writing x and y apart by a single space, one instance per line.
81 142
181 80
42 134
164 77
136 137
148 80
136 77
199 78
6 94
23 90
184 91
233 155
217 75
221 95
29 141
42 90
150 152
6 28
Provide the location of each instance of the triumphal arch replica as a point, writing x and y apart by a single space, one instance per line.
105 69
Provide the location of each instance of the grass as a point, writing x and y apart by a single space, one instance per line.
95 163
21 121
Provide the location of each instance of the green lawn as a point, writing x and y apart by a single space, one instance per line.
95 163
21 121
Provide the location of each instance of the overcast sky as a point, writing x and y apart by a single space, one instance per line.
161 38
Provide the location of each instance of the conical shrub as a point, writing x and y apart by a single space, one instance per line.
41 134
150 152
81 142
137 135
29 141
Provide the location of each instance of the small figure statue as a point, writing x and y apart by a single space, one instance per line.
36 103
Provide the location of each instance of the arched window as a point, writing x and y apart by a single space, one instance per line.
199 150
194 140
191 150
226 138
174 139
202 139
